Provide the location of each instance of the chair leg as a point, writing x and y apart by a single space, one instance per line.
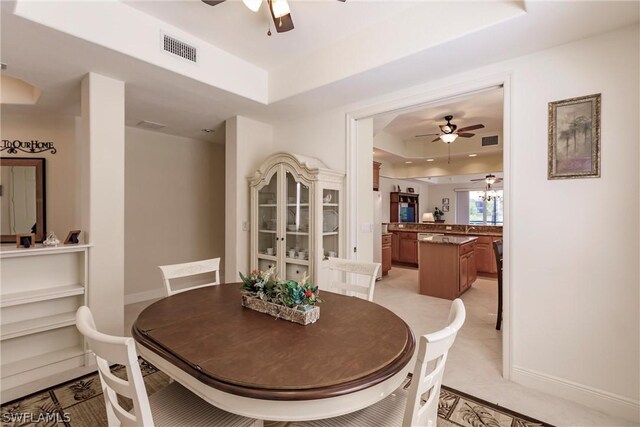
258 423
499 314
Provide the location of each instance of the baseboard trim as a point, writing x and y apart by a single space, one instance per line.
613 404
144 296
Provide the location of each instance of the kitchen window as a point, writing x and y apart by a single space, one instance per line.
480 207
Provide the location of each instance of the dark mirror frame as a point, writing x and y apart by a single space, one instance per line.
41 223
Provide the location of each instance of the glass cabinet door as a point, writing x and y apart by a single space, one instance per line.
296 228
268 224
330 223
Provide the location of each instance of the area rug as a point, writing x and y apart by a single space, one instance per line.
79 403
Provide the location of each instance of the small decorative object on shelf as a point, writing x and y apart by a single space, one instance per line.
438 214
72 237
51 240
284 299
410 190
26 240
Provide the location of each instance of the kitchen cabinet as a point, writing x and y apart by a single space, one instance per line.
386 253
376 176
405 248
485 256
447 266
404 207
296 216
395 246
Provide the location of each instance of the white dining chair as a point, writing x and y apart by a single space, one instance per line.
174 405
187 269
342 266
417 404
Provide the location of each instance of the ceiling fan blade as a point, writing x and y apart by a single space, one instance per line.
437 139
426 134
474 127
284 23
212 2
466 135
479 179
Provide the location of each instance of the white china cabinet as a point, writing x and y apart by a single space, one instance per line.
296 216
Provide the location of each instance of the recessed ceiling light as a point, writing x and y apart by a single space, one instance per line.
207 130
473 155
408 162
430 160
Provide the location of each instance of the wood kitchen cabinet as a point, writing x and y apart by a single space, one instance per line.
376 176
395 246
485 256
386 253
404 248
447 266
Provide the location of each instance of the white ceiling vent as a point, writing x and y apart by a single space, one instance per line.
145 124
179 48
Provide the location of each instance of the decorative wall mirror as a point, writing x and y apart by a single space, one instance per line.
22 198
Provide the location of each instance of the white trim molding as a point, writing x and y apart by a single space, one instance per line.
145 296
592 397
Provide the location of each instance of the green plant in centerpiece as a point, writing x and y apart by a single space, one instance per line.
289 293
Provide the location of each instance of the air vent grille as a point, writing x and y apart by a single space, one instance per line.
179 48
489 140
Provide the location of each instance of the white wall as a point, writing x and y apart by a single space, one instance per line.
439 191
388 185
174 207
61 171
574 271
248 144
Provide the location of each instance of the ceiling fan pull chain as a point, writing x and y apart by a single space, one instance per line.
449 156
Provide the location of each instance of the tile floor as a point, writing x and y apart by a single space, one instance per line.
474 365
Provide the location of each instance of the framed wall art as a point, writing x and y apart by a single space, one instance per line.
574 138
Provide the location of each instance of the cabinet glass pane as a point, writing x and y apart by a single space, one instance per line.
297 224
330 223
268 219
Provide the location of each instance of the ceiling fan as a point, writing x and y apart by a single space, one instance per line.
279 9
489 179
450 132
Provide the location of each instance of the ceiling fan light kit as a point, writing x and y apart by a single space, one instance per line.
252 5
448 137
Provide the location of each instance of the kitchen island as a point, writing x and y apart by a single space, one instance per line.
447 265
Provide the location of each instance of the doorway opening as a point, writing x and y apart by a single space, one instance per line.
422 183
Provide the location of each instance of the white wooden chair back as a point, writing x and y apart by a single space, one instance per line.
341 266
108 350
176 271
426 381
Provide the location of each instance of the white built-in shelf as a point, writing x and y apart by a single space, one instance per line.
38 324
330 233
268 231
298 233
297 261
10 251
269 257
27 364
302 205
26 297
267 205
330 204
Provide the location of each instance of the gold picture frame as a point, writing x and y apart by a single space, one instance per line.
72 237
26 240
574 138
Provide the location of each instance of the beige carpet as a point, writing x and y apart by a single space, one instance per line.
79 403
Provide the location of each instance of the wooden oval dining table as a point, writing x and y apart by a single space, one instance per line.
255 365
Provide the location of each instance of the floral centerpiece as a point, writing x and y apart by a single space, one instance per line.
286 299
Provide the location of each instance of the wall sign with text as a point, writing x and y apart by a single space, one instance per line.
33 146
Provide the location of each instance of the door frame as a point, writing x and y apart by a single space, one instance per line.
435 94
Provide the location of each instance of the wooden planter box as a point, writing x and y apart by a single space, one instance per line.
280 311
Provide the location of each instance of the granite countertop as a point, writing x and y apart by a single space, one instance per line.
448 240
449 229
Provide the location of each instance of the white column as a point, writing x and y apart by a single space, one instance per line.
364 187
248 144
102 197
